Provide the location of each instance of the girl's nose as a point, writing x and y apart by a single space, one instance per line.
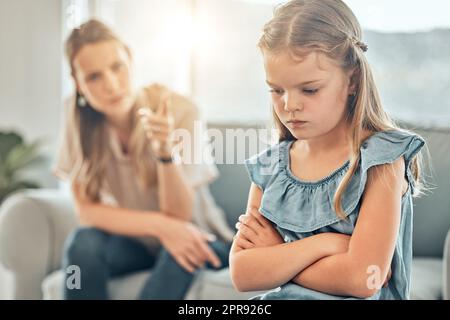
292 104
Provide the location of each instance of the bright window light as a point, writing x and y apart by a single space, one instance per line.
395 16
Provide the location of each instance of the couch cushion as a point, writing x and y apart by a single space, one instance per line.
121 288
431 212
209 285
217 285
426 279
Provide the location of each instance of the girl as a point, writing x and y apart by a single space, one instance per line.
130 195
329 213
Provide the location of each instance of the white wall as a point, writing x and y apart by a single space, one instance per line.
30 71
30 80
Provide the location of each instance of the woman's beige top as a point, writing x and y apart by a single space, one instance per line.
121 186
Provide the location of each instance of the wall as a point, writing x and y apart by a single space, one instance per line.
30 80
30 73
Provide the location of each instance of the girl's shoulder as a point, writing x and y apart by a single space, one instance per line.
387 146
265 165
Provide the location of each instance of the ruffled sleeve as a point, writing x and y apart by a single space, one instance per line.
388 146
262 168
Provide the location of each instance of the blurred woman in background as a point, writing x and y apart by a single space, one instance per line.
135 203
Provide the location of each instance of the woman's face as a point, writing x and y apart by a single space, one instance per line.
309 95
102 75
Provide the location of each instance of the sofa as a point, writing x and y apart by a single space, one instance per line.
35 223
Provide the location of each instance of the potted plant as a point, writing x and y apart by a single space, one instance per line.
15 156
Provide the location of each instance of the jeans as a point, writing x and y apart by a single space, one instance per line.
101 256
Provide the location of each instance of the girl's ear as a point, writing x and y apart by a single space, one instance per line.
354 80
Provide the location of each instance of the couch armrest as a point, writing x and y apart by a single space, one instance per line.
33 227
446 271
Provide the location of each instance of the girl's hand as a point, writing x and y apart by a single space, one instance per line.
187 244
255 231
159 127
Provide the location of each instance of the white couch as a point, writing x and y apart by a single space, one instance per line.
34 225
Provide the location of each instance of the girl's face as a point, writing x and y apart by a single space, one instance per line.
309 95
102 76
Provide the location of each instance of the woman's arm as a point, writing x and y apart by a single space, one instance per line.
361 271
117 220
253 268
176 196
185 242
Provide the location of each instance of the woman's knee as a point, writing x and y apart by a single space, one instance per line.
222 251
167 264
84 244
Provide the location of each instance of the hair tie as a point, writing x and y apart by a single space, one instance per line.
364 47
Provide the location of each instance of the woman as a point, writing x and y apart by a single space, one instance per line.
134 202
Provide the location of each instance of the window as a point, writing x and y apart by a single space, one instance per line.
207 49
409 50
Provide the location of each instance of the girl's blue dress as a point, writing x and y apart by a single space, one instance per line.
299 209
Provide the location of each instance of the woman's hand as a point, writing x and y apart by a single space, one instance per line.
187 244
255 231
159 126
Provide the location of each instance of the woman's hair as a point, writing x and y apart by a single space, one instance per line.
89 124
330 27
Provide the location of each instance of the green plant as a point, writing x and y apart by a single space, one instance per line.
15 155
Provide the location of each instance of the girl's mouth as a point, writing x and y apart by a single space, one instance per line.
296 123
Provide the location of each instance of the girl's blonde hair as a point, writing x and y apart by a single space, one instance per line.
330 27
89 124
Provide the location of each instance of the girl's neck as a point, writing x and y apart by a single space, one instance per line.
336 139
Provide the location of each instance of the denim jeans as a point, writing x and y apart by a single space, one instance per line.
101 256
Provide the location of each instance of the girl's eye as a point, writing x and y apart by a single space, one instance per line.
277 91
310 91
